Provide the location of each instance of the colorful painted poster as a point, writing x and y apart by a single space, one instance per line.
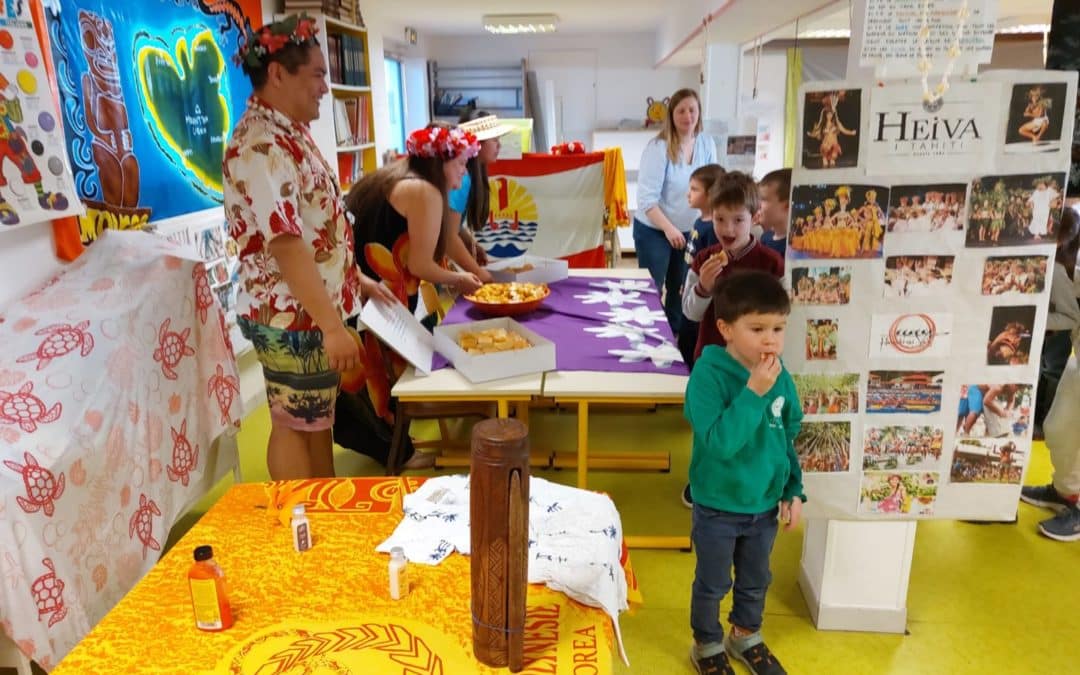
149 95
36 182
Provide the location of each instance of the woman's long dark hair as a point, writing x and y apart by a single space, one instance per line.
370 195
479 204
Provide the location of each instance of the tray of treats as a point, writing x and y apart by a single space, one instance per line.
494 348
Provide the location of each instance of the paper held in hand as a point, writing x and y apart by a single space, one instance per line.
397 327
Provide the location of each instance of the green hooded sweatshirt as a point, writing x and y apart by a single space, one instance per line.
743 459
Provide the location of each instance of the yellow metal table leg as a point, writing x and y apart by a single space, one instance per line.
582 443
504 408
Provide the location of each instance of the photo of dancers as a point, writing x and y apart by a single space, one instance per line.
982 460
911 276
831 123
1009 342
821 285
821 338
827 393
902 448
994 410
1015 210
837 221
824 447
904 391
927 208
898 493
1036 116
1014 274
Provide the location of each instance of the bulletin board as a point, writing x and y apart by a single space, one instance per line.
149 95
921 249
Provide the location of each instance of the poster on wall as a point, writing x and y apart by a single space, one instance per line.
149 94
920 297
36 182
890 35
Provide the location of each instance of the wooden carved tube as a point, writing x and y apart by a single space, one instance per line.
499 514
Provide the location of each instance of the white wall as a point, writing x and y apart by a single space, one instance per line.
625 75
768 106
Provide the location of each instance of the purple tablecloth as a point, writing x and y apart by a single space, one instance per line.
597 323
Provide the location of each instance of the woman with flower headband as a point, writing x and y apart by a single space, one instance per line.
298 279
402 233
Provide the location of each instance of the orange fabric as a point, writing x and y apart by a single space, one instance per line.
326 610
615 199
69 244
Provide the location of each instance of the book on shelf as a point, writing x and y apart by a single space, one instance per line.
350 167
343 129
332 8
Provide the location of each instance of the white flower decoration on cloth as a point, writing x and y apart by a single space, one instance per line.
631 333
612 297
643 316
662 355
640 285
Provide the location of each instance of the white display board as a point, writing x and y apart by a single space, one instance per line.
917 294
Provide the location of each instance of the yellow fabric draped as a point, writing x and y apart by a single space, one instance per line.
616 213
791 104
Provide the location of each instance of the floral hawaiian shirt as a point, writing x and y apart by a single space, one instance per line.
277 182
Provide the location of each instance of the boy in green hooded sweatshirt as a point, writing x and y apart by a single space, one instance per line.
745 413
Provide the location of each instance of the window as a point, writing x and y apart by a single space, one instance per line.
395 98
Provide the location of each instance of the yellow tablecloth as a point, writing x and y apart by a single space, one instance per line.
327 610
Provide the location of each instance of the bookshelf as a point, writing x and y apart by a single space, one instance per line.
499 89
345 130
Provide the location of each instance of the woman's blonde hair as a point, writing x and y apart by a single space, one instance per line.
669 134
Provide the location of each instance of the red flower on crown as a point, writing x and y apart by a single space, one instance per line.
256 45
442 143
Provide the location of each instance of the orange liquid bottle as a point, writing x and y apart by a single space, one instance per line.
209 599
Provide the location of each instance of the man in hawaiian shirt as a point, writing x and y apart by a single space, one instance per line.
298 280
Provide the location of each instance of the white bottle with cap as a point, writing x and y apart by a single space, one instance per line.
399 578
301 529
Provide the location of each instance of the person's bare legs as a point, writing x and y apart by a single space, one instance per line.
287 454
320 448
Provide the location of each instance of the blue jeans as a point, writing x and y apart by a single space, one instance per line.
722 540
1055 354
666 266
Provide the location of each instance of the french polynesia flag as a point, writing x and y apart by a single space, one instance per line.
550 206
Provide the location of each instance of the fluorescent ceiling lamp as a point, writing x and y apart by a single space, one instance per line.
510 24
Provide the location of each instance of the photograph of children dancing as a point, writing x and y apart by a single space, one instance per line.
1015 210
927 208
837 221
831 121
1036 114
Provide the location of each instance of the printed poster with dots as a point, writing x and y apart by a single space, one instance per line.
36 182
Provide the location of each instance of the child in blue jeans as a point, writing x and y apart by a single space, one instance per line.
745 414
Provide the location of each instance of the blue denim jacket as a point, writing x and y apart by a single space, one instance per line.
665 184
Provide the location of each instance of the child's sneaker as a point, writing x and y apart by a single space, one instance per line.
1045 496
751 650
1065 526
687 500
714 664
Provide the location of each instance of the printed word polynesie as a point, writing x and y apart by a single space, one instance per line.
911 133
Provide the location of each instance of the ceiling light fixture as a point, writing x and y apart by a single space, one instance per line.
511 24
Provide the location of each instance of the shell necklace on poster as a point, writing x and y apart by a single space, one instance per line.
932 101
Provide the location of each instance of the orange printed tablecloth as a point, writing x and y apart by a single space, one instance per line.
326 610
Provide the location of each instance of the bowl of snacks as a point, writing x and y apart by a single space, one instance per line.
508 299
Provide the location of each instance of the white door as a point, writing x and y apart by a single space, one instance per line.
573 72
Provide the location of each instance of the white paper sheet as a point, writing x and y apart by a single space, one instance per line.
401 331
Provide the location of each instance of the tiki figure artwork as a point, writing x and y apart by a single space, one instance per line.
106 114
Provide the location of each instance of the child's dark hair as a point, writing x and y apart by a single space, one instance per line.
780 181
749 292
708 175
735 189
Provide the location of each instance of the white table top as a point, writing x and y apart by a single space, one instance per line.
599 384
616 272
449 383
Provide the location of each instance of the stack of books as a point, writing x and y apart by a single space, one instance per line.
346 10
346 56
351 121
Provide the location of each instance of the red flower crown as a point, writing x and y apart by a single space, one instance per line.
257 45
442 143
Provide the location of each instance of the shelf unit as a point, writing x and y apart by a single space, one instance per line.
498 89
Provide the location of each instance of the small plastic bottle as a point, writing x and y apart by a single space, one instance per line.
209 597
399 577
301 529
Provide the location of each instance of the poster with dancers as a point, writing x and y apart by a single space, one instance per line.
1036 115
1016 210
1024 274
902 448
832 121
837 221
821 285
912 276
924 209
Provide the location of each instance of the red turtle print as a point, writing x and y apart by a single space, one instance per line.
62 339
25 409
204 299
172 347
224 388
48 593
183 457
42 487
142 523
